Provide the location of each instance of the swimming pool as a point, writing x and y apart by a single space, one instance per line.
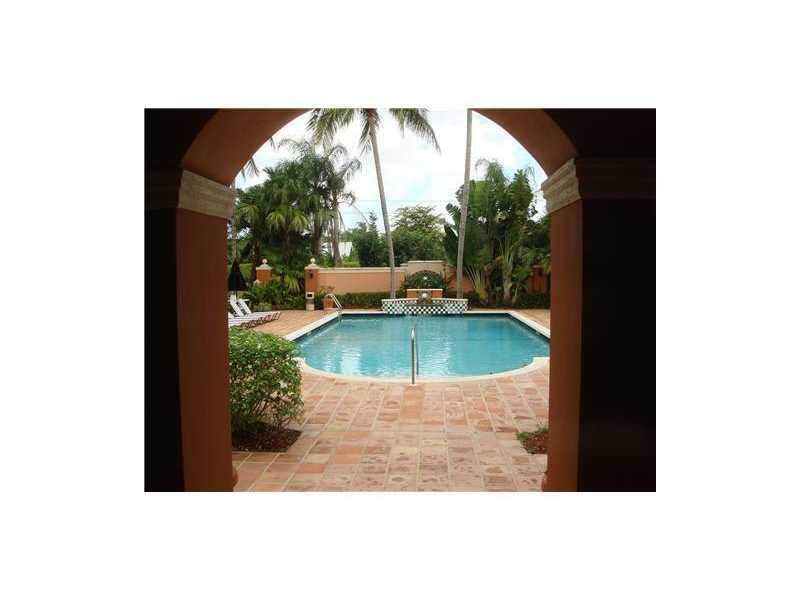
449 346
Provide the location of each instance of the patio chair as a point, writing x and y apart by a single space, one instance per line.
245 321
272 315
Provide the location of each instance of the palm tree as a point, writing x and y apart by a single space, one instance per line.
250 168
287 219
251 212
328 174
337 182
462 226
326 122
289 198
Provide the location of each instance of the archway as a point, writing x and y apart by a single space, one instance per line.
602 411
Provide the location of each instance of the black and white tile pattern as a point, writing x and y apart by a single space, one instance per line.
437 306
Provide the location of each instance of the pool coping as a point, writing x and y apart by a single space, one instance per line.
537 363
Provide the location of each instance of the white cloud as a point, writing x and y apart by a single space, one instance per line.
413 172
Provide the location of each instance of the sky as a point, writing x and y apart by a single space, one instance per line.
414 173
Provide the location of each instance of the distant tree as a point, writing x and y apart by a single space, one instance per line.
368 244
422 218
418 234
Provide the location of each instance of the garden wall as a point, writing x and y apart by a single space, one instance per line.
357 279
349 280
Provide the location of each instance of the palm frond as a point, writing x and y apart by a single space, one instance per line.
370 121
324 123
349 168
416 119
250 168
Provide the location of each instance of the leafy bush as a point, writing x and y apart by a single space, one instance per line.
472 296
352 299
362 299
533 300
422 279
265 381
274 295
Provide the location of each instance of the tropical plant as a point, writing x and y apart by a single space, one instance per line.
324 123
505 262
275 295
502 240
264 381
464 209
478 280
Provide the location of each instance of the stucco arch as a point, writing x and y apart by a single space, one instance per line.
231 136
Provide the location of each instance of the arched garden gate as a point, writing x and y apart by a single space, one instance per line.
601 193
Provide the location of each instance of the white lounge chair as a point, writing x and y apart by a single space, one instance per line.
245 321
268 316
237 310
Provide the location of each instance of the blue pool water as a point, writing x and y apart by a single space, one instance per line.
448 346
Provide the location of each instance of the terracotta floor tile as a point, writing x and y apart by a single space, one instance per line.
454 436
262 457
288 458
310 468
278 467
266 486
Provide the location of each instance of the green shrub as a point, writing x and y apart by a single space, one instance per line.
265 381
274 295
362 299
422 279
471 296
533 300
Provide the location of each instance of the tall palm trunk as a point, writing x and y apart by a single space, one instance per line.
337 259
462 226
374 141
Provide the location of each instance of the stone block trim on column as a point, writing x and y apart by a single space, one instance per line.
194 192
598 178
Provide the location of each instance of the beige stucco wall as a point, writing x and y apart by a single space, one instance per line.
347 280
359 279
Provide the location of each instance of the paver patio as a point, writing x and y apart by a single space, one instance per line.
375 436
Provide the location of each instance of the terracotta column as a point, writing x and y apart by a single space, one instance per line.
187 418
312 277
263 272
602 367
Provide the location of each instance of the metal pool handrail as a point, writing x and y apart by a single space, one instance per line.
338 304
